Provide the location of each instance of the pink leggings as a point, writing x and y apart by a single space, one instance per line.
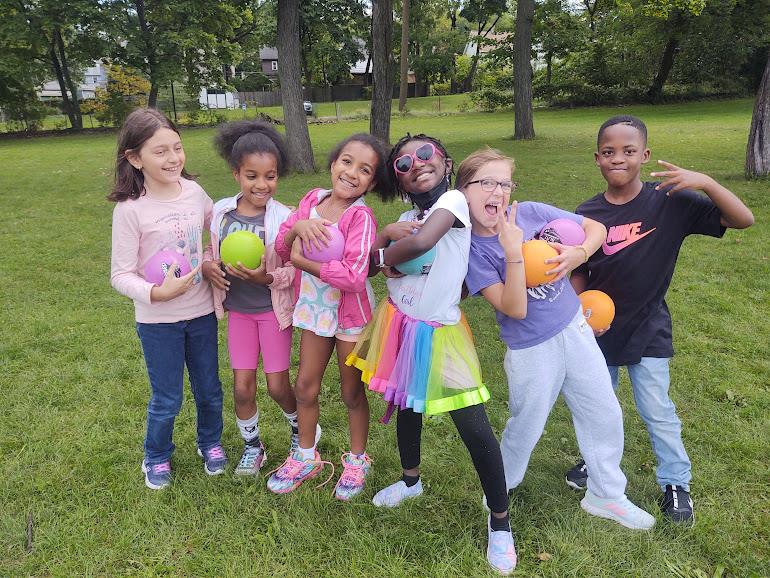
250 333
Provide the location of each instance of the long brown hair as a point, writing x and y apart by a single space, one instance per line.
139 126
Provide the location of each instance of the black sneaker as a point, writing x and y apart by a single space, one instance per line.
577 476
676 504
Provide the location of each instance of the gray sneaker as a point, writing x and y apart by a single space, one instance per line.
251 460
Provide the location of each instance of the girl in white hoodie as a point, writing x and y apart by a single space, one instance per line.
259 302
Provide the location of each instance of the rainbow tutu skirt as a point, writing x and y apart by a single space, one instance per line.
427 367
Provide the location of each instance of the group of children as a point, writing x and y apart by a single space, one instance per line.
415 348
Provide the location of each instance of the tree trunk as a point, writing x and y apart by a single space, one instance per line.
548 68
382 71
66 102
404 55
522 70
758 148
149 46
76 118
675 28
297 135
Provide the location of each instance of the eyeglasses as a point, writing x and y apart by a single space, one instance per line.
424 153
489 185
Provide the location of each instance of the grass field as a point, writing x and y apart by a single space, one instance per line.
74 391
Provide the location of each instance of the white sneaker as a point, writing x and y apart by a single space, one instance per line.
622 510
394 494
501 552
295 439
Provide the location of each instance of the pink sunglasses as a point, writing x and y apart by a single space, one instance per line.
424 153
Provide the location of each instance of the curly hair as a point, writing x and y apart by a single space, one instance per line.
235 140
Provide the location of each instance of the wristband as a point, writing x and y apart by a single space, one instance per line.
380 259
585 252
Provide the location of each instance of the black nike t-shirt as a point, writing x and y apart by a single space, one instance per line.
635 265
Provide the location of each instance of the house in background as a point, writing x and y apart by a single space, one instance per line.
94 77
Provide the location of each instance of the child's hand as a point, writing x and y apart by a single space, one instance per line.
212 270
297 254
174 286
569 258
509 235
678 178
391 272
257 276
313 231
396 231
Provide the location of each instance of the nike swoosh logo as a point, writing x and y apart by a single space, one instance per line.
612 249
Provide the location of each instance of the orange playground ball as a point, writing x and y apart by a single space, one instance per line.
598 308
535 252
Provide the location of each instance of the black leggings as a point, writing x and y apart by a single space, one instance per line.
473 426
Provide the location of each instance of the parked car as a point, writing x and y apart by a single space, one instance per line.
308 107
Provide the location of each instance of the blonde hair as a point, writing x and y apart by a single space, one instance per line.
473 162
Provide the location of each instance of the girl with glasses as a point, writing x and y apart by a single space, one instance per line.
418 350
551 348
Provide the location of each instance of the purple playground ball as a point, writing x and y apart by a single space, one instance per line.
158 265
332 252
563 231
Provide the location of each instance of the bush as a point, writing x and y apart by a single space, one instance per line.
491 99
26 114
439 89
125 91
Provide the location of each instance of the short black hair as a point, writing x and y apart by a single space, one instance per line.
626 119
235 140
397 149
383 187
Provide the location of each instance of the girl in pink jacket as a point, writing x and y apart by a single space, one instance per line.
335 302
259 302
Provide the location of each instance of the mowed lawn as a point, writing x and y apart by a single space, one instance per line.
74 391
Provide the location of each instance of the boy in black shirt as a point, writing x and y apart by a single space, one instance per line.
646 225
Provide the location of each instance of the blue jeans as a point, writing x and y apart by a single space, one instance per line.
649 383
168 347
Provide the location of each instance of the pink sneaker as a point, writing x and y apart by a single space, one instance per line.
351 482
290 475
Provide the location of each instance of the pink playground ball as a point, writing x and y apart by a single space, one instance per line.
563 231
158 265
332 252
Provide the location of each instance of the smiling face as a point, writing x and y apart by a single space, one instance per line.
353 170
486 208
622 152
424 175
257 176
160 158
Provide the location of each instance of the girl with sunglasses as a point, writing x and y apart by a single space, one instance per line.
418 350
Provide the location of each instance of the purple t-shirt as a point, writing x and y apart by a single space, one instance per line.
550 307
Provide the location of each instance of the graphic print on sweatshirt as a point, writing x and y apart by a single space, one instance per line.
622 236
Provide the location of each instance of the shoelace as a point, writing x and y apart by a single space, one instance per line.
215 453
249 457
291 467
352 474
161 468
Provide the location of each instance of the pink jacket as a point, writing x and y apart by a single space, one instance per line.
359 227
281 290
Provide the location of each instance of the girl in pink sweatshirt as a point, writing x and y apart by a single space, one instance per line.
160 210
260 301
335 302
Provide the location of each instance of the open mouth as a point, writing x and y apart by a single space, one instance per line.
491 209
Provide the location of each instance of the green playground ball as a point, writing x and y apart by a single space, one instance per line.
243 246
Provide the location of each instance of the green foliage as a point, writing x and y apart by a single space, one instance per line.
126 90
26 113
439 88
253 82
490 99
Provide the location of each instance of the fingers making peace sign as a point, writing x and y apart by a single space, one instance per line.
678 178
509 234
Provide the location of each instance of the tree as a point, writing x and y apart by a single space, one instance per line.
522 70
297 135
404 57
125 91
758 147
480 12
557 31
382 69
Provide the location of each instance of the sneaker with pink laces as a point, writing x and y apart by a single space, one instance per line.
214 460
501 553
290 475
351 482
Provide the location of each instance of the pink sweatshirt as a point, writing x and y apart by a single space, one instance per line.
358 226
141 228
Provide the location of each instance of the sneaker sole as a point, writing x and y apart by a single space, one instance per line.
574 485
246 473
148 483
607 515
296 485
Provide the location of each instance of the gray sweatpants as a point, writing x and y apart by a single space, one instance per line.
571 363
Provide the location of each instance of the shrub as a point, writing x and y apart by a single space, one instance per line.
439 89
125 91
26 114
490 99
